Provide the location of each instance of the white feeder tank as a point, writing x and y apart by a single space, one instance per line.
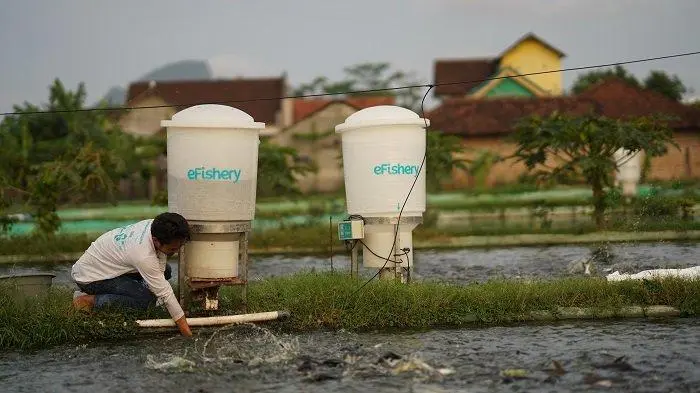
629 170
383 148
212 166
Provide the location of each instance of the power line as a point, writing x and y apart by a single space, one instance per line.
428 85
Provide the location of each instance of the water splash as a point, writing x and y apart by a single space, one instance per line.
171 363
246 344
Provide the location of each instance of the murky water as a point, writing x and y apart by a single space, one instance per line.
463 265
658 356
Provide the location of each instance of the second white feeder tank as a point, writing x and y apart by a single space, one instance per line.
383 151
383 147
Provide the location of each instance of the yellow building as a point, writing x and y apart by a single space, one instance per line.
528 55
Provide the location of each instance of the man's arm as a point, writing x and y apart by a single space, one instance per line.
149 270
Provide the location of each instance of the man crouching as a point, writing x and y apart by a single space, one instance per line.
126 267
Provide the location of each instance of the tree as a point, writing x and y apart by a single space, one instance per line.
370 76
560 145
277 168
587 79
670 86
658 81
63 154
481 165
440 159
313 139
6 221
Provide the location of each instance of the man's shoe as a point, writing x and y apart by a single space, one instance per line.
83 302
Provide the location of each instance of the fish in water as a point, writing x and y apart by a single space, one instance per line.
582 266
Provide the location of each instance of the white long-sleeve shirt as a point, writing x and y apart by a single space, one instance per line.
124 250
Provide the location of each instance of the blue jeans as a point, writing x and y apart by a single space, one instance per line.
126 291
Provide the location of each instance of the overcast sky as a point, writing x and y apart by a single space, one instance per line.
106 43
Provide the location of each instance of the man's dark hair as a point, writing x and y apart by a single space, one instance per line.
168 227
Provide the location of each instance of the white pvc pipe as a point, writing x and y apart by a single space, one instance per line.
217 320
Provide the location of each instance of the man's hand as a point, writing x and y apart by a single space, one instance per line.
184 327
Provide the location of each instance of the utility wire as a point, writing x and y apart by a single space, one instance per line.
428 85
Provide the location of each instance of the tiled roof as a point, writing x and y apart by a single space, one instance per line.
366 102
611 98
618 99
476 70
182 94
304 108
497 116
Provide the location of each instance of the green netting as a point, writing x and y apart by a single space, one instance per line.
111 212
101 226
101 219
84 226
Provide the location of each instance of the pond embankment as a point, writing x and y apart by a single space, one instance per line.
322 301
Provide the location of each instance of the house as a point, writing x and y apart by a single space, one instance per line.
163 99
483 125
528 55
313 136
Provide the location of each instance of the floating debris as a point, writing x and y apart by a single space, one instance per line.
513 374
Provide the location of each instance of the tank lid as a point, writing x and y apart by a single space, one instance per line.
381 115
212 116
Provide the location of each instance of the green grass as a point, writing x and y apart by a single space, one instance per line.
332 301
49 320
326 300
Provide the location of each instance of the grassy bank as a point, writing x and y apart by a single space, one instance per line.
332 301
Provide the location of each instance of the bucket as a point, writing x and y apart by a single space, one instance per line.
27 285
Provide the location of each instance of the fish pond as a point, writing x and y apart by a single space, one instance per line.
611 355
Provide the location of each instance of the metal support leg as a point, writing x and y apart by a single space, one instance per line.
244 262
183 290
398 271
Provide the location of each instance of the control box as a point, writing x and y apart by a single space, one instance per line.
351 230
